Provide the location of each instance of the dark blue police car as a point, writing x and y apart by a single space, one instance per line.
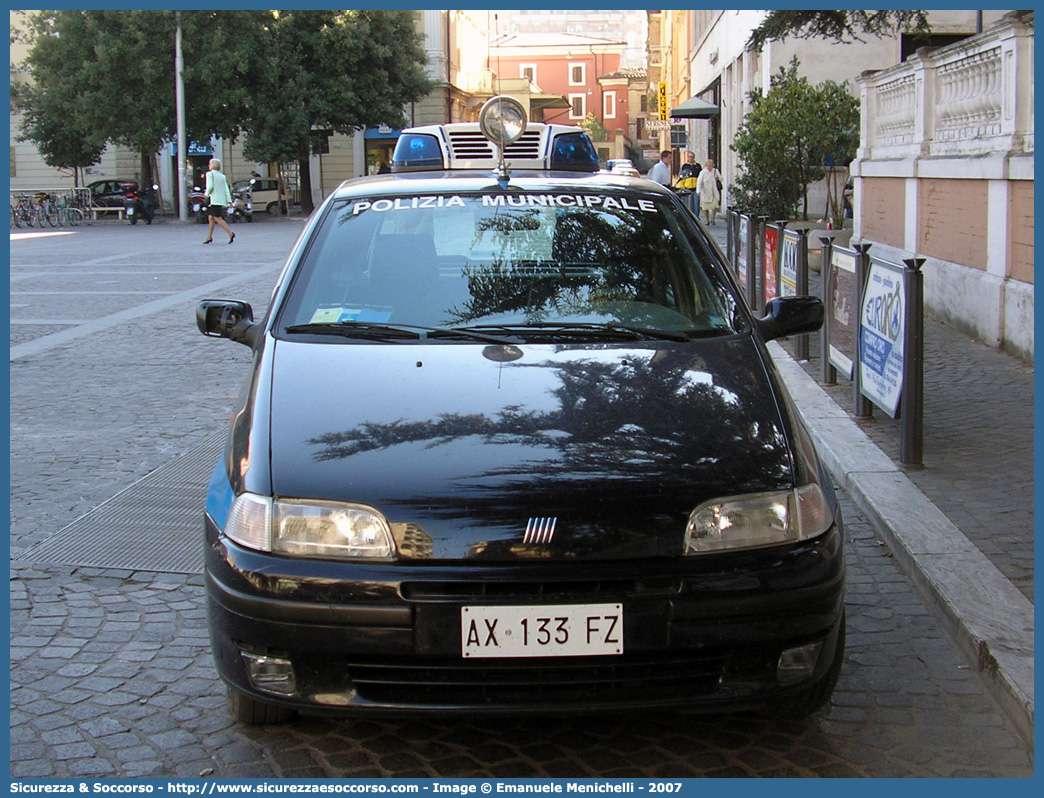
512 442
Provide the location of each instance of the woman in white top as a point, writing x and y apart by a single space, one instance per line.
220 197
707 188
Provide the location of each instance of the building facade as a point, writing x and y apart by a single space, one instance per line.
566 64
945 173
945 167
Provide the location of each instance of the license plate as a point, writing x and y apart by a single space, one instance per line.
130 211
557 630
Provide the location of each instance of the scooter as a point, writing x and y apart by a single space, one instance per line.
138 205
198 204
241 207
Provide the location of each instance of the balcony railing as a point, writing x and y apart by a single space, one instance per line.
969 99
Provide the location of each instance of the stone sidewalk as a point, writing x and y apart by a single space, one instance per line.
961 526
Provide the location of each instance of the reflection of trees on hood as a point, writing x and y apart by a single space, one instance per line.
626 420
596 257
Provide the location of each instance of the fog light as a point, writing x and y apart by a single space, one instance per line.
797 664
270 674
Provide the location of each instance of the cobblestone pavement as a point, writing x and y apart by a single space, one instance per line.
110 671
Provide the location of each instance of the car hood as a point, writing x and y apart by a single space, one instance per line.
462 447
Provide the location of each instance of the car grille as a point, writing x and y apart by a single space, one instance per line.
474 146
637 678
545 591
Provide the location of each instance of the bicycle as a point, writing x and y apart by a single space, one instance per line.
45 210
68 212
23 212
81 200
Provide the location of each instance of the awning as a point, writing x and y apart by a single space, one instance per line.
695 108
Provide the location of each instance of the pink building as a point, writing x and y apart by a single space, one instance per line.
569 65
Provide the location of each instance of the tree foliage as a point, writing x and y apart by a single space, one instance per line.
788 137
595 129
47 122
331 70
839 26
108 77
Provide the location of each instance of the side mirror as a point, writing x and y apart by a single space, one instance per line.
227 318
792 315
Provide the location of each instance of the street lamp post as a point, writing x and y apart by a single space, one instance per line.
179 84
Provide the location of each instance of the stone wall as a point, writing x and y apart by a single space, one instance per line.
945 173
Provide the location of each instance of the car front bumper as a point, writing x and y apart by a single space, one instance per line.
700 633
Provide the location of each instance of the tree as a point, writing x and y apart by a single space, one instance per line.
330 70
840 26
48 123
595 129
788 137
108 76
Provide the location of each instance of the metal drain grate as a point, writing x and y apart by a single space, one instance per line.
154 525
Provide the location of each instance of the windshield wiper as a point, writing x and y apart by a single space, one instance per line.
609 330
359 329
389 332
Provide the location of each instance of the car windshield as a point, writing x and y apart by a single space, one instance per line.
531 264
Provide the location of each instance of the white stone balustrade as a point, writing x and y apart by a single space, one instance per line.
972 98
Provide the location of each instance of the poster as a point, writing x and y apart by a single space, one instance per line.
881 331
841 317
788 264
768 268
742 249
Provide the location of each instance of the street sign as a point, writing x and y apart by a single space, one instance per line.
663 102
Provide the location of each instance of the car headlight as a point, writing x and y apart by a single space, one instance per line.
300 528
758 519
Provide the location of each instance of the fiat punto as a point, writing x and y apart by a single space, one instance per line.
512 442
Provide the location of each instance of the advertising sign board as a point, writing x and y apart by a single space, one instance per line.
662 97
841 317
882 322
768 263
742 249
788 264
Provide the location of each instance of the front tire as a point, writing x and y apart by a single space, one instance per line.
248 710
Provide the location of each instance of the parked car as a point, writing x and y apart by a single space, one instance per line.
622 166
512 442
264 192
110 193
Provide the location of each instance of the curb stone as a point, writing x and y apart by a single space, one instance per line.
988 616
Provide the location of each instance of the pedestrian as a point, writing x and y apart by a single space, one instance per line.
689 172
661 171
708 187
220 198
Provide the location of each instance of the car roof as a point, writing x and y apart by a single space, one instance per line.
471 181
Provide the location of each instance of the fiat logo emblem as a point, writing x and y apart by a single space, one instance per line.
539 531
